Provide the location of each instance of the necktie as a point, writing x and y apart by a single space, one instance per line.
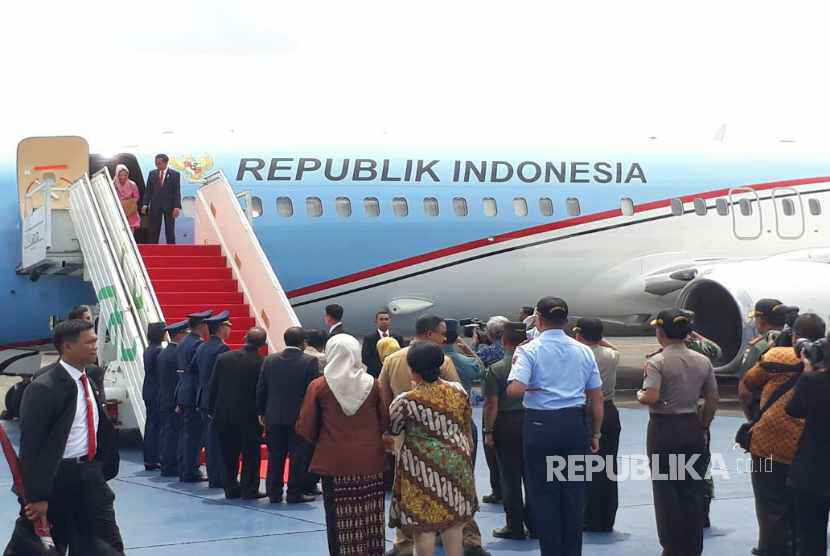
90 419
161 179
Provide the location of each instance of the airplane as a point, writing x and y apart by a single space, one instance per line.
620 233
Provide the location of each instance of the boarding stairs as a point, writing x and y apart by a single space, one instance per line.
137 285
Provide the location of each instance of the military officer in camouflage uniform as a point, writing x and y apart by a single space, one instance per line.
770 316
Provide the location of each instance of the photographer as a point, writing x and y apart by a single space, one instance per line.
808 474
488 346
775 436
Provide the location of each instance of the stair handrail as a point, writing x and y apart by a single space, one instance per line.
206 210
111 257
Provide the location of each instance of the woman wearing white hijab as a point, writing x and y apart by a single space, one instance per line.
343 415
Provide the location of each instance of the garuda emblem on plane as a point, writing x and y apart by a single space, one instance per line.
194 167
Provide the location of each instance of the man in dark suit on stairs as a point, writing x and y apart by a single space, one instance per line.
232 407
162 200
370 343
282 384
68 450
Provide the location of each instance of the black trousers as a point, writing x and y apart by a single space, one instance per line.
169 453
774 507
154 225
81 511
152 433
284 442
811 523
493 466
190 444
214 461
558 506
678 499
603 497
240 440
508 439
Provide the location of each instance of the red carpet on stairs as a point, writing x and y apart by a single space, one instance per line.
192 278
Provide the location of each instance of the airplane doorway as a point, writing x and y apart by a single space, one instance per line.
747 219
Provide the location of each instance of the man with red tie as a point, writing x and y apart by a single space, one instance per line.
162 200
68 449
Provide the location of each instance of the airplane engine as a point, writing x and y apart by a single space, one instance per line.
723 295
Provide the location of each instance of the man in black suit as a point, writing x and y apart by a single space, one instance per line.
150 395
333 317
162 200
68 449
279 395
370 343
232 407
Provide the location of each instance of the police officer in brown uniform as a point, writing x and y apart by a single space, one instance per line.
675 379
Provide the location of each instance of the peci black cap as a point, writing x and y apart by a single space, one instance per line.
590 328
177 327
515 331
674 321
771 310
218 320
552 308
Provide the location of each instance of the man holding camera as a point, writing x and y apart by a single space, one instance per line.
775 435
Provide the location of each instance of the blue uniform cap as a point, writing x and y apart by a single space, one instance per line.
177 327
218 320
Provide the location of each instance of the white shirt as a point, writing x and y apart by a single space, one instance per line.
383 334
335 325
77 443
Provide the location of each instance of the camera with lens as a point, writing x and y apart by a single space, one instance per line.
815 352
471 325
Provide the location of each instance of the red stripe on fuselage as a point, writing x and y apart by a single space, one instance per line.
534 230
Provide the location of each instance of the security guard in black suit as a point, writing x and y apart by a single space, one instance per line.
204 360
190 437
150 395
168 370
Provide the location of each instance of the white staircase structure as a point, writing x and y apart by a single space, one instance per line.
127 301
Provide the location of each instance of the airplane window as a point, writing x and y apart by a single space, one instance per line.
343 206
256 207
490 206
285 207
546 206
723 207
815 207
746 207
400 206
189 206
459 206
700 207
677 207
627 206
788 207
371 207
431 206
572 204
520 206
314 206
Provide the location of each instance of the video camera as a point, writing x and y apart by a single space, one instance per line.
471 325
817 352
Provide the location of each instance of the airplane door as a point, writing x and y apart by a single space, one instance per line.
789 213
747 219
58 161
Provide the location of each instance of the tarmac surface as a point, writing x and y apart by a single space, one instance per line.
159 516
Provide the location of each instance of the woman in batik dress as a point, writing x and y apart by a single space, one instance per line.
434 488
